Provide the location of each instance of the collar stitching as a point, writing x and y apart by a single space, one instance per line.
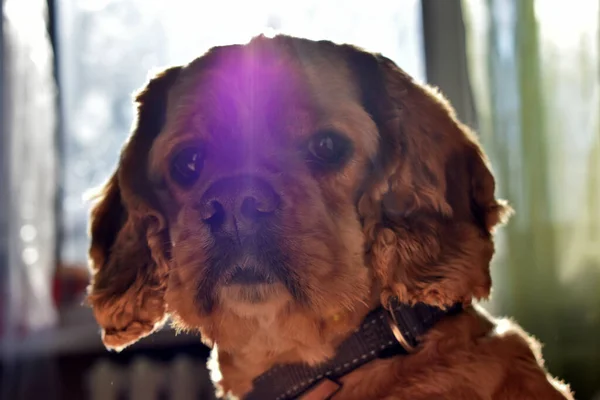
337 369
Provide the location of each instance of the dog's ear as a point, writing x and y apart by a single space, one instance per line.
429 218
129 242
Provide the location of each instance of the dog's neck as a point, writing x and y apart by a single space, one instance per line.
247 347
385 332
327 343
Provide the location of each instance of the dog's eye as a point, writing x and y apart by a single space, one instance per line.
186 166
329 148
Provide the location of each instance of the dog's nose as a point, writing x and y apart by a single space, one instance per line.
238 204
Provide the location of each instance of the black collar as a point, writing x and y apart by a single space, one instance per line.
382 334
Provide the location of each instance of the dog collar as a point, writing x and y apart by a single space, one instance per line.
383 333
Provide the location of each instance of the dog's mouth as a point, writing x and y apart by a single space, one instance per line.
249 275
257 271
250 285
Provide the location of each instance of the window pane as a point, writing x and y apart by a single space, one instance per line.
108 46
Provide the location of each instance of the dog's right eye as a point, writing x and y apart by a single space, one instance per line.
329 149
186 165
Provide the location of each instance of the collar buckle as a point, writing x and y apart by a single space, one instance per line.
392 304
391 319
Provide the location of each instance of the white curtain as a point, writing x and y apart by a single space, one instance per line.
535 70
29 170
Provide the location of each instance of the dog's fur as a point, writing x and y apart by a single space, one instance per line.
411 214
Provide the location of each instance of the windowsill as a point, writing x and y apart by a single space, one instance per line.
79 333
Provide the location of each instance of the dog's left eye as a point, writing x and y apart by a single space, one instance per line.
330 148
186 165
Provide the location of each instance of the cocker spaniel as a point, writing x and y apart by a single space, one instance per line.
324 222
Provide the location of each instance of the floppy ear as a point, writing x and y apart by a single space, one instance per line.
128 233
431 214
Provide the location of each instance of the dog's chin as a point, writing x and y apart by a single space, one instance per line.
254 299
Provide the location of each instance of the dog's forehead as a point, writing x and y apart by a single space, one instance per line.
278 80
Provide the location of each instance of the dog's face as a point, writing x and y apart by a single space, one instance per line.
260 178
288 178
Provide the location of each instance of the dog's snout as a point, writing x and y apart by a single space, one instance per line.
238 203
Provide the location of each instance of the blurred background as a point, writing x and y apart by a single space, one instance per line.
525 74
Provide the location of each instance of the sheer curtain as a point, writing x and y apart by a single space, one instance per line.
28 173
535 72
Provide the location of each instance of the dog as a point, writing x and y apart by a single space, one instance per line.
321 219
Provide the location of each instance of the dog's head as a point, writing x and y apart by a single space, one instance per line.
288 178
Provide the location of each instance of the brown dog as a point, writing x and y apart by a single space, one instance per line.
275 196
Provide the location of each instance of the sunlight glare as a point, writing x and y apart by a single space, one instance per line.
566 23
385 26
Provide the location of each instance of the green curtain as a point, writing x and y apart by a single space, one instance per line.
535 72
